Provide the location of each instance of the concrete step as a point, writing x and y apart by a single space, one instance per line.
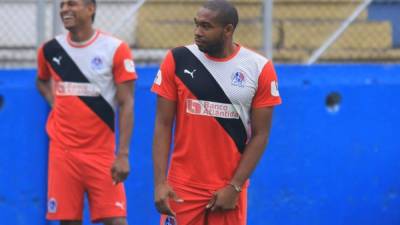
360 35
339 55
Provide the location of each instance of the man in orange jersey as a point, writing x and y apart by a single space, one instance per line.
221 96
86 76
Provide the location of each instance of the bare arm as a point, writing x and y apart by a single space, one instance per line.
162 137
261 125
166 110
44 87
226 197
125 98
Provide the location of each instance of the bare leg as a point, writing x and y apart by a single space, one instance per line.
71 222
115 221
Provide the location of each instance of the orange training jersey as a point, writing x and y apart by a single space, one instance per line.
84 85
214 98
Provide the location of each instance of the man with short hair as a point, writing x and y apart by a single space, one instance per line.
86 76
221 96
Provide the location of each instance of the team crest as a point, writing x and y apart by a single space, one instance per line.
52 205
129 65
158 78
274 88
238 79
97 63
170 221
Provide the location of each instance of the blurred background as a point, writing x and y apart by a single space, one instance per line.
333 156
289 31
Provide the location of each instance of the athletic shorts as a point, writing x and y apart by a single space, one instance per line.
74 173
193 210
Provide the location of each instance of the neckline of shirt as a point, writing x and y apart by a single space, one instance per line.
83 43
226 58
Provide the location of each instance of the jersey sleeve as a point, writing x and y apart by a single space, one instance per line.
123 64
267 93
164 83
43 71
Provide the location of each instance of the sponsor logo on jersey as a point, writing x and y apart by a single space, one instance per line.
129 65
274 88
170 221
57 60
238 79
158 79
120 205
214 109
76 89
52 205
97 63
191 73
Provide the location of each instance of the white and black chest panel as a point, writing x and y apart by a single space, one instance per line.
231 84
85 73
96 62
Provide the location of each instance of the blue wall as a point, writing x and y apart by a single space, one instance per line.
321 168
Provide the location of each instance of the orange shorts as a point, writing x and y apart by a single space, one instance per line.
74 173
193 210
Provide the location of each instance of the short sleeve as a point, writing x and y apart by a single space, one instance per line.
267 93
123 64
164 83
43 71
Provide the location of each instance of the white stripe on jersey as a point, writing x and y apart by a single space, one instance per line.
76 89
208 108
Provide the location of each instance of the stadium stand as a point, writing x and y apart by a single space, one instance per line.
300 27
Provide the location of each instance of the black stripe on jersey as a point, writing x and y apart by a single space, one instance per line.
68 71
205 87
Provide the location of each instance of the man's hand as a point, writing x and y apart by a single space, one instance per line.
224 199
120 169
162 195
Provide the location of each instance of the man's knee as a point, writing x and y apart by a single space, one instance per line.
71 222
115 221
